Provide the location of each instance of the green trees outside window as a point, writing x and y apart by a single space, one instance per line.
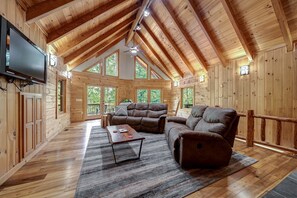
148 95
187 97
140 68
111 65
93 100
155 96
95 69
142 95
110 95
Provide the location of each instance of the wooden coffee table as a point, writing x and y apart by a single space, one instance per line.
120 138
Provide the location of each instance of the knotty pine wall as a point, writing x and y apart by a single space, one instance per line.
270 89
9 101
125 89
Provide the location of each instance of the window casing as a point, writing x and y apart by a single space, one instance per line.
154 75
112 64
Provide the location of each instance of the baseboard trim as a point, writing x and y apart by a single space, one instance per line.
12 171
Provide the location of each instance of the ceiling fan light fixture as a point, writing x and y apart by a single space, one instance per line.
134 51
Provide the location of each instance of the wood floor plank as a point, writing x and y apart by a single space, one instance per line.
55 170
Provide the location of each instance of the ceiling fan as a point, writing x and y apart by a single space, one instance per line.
133 50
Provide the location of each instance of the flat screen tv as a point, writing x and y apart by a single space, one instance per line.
19 57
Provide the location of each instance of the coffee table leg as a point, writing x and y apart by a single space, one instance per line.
140 149
114 157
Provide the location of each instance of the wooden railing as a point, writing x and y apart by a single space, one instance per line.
250 126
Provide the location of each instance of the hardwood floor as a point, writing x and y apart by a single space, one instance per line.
54 171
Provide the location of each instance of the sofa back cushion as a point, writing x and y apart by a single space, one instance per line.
130 109
157 110
217 120
140 113
195 116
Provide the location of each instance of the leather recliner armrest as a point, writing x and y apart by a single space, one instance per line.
176 119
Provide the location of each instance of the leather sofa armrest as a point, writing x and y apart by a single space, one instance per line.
109 116
161 123
204 149
176 119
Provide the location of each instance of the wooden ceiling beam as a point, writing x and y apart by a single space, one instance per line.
283 23
187 37
67 28
169 38
206 32
92 44
140 12
45 8
240 34
150 32
105 45
73 43
148 45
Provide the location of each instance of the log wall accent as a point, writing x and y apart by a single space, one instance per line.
125 89
269 89
9 101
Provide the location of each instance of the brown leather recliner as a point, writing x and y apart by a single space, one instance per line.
142 117
204 139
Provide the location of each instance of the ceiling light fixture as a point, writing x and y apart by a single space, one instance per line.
146 13
138 27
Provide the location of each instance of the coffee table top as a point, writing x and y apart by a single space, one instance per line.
118 137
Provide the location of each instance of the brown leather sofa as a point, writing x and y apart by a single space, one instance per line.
204 139
142 117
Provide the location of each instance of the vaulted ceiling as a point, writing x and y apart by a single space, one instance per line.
180 36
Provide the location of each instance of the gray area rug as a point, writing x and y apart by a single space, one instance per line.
156 174
287 188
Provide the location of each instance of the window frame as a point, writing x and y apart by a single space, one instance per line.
98 63
143 64
149 94
152 70
63 96
103 97
182 103
118 63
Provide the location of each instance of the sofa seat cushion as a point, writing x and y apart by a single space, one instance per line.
116 120
134 120
150 122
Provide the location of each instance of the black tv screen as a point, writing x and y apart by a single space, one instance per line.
21 58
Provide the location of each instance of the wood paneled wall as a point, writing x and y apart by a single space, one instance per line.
269 89
9 100
125 89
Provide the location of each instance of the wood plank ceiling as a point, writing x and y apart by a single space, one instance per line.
180 36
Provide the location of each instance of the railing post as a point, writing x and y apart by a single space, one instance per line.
263 127
250 128
278 132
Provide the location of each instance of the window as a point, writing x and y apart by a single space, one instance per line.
61 95
142 95
148 95
140 68
111 64
110 95
155 96
187 97
93 100
95 69
154 75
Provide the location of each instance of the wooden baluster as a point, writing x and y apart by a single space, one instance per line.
295 135
250 128
263 127
278 132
